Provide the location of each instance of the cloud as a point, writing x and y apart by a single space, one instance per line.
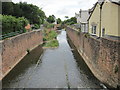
61 8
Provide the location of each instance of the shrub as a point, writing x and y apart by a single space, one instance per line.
53 43
50 26
12 24
28 51
116 69
87 35
36 26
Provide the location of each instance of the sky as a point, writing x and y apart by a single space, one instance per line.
61 8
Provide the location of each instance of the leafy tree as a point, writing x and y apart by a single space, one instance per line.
74 19
17 11
66 17
51 19
22 9
7 8
70 21
12 24
59 21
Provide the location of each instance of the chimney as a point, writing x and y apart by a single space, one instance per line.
80 12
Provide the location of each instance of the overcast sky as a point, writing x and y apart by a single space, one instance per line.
61 8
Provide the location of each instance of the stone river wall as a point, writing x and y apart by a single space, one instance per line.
101 55
15 48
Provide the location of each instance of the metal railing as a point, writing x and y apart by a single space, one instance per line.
10 34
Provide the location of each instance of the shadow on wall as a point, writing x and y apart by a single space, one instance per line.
29 60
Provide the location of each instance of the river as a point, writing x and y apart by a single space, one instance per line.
60 67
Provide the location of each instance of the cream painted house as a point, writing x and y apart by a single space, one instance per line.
105 18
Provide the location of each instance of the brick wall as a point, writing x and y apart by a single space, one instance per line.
15 48
101 55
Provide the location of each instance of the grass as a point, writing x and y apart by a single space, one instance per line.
53 43
50 39
49 36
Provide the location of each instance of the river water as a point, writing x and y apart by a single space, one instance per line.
60 67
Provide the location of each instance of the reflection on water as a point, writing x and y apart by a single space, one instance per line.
56 68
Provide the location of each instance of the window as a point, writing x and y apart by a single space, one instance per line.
103 32
94 29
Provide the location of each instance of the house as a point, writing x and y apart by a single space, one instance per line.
82 18
104 18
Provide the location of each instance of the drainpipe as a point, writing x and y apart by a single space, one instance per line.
100 20
101 4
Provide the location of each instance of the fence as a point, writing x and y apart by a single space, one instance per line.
10 34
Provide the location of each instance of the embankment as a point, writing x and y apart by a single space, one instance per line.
15 48
101 55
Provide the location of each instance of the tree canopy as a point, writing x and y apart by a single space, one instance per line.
33 13
51 19
70 21
59 21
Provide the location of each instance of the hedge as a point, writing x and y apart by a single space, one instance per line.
12 24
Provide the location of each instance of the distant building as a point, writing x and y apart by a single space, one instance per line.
82 18
104 18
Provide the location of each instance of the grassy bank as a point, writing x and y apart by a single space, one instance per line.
50 39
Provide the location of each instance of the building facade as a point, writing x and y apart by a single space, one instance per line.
104 19
82 20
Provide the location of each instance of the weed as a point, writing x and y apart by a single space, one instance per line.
116 69
28 51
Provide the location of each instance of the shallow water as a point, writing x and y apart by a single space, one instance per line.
61 67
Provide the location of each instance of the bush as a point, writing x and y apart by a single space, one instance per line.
50 26
50 36
36 26
87 35
12 24
53 43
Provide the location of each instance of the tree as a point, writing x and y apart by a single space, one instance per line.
59 21
7 8
29 11
70 21
74 19
66 17
17 11
51 19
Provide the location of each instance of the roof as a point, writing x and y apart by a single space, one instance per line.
115 1
83 16
92 10
101 2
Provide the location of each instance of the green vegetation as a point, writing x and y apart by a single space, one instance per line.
87 35
50 35
13 24
70 21
28 51
50 39
48 25
116 69
59 21
66 17
53 43
51 19
36 26
29 11
15 17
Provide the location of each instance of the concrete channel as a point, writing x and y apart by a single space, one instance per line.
61 67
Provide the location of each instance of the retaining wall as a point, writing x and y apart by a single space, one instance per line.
15 48
101 55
